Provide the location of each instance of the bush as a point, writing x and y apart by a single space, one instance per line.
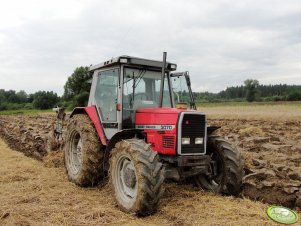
3 106
274 98
278 98
45 100
294 96
28 106
14 106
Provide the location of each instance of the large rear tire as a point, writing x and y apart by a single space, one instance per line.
136 176
83 152
228 164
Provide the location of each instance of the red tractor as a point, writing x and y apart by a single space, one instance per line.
141 127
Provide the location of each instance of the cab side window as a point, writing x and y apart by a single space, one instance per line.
106 94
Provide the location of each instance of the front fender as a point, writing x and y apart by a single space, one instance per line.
123 135
212 129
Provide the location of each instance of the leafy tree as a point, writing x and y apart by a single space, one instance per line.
77 83
22 96
45 100
2 95
11 96
81 99
251 86
77 88
30 98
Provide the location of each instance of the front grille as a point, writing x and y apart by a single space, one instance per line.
168 141
193 126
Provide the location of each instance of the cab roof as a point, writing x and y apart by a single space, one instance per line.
129 60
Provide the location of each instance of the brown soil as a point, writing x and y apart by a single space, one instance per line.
32 194
271 148
27 134
272 152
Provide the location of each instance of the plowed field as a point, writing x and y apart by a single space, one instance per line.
36 192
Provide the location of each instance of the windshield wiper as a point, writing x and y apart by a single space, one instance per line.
140 76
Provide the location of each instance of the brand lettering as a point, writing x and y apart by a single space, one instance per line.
156 127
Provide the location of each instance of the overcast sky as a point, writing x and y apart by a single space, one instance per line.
221 43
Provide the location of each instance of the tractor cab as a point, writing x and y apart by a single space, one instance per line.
125 84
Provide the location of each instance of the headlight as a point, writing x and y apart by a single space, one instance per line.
185 140
199 140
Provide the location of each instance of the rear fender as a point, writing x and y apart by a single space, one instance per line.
92 113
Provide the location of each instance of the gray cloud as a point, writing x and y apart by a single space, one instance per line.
221 43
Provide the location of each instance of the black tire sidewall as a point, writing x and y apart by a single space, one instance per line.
145 162
213 147
126 151
227 185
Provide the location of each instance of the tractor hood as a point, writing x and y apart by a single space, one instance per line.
158 116
160 110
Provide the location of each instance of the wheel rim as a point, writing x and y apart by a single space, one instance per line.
216 181
126 179
76 153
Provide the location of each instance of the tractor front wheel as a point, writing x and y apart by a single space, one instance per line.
227 167
136 176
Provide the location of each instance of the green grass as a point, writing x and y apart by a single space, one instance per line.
24 112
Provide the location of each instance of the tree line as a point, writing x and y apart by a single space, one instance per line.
251 90
12 100
77 88
76 93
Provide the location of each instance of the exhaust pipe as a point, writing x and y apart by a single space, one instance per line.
162 79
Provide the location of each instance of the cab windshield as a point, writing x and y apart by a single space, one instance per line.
141 89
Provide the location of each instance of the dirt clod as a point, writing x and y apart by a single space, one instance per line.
5 215
272 159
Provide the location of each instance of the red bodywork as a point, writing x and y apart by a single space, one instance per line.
162 141
160 126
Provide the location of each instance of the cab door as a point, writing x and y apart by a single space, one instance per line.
105 98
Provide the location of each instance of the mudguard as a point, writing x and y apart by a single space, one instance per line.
211 129
92 113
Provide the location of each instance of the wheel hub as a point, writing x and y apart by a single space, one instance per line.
129 178
126 178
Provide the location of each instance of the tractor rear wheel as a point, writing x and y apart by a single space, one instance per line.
136 176
227 166
82 152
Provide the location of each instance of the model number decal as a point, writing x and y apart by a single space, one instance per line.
166 127
156 127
